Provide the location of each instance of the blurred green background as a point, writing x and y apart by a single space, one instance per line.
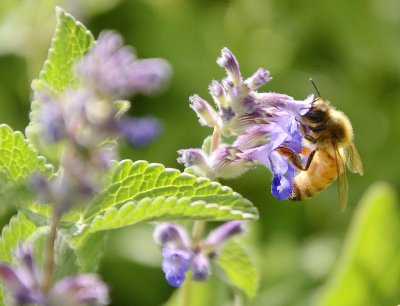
306 253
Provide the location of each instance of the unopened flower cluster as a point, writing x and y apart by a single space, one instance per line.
23 285
181 253
86 119
259 122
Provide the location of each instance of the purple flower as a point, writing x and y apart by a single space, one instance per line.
258 124
114 69
180 254
78 290
282 182
224 232
174 265
23 285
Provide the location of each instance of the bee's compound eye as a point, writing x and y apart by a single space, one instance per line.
315 115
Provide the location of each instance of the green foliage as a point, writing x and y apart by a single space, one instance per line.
18 161
20 228
70 43
368 272
238 269
135 181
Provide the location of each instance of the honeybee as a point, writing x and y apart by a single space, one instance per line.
331 133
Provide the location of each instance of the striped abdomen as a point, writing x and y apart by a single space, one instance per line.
319 175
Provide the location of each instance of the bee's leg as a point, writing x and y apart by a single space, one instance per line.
309 159
295 158
310 138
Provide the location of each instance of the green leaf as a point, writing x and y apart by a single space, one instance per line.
368 271
161 209
18 161
20 228
237 269
70 42
89 248
138 191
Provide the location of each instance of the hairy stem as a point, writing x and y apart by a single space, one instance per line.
215 140
49 252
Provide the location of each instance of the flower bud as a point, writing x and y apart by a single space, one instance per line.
258 79
224 232
231 65
195 158
171 236
200 268
207 115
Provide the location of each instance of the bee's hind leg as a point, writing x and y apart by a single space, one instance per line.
295 158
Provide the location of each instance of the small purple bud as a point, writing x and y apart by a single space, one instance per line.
139 131
172 236
207 115
174 265
224 232
258 79
200 268
196 158
231 65
227 84
216 89
78 290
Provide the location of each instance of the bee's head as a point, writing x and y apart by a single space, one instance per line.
318 110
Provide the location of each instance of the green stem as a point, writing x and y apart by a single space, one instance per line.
49 252
215 140
185 292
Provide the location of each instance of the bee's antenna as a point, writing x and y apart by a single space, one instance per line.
315 86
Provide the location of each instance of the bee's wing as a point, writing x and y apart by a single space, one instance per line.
343 185
353 159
